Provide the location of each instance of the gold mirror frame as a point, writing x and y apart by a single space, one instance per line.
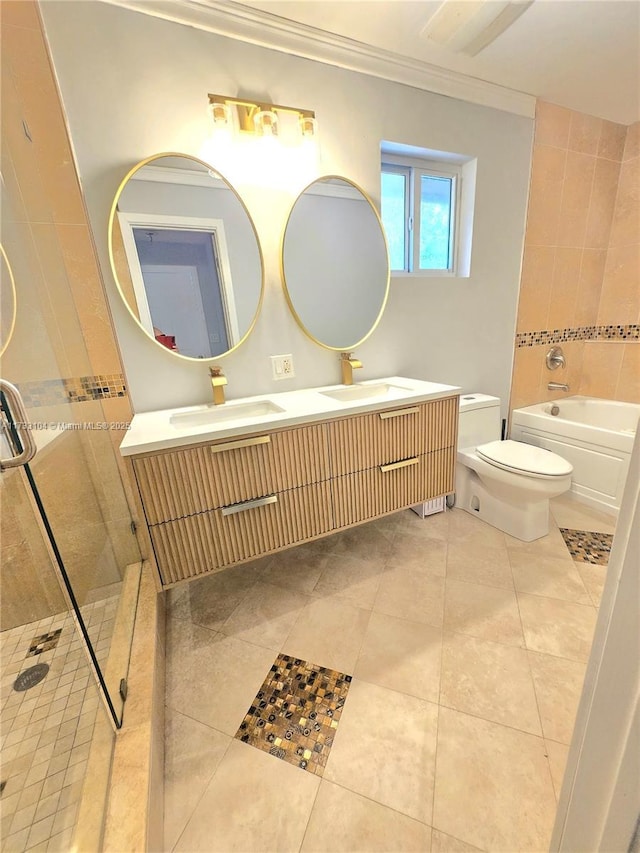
112 216
14 296
283 277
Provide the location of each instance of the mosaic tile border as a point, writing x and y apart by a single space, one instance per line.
80 389
296 713
587 546
628 332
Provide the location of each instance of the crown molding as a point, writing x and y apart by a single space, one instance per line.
234 20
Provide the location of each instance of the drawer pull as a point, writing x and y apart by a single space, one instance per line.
404 463
242 442
397 413
245 505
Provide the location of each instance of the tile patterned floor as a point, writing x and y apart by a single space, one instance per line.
467 650
296 712
588 547
46 731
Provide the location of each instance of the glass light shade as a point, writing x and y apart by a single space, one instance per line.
266 122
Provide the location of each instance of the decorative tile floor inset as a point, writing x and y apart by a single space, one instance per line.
588 547
296 713
44 643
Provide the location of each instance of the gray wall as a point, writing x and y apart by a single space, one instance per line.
133 86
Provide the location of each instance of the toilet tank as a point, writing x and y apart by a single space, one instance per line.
479 420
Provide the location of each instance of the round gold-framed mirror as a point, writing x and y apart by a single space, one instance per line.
8 301
335 263
186 257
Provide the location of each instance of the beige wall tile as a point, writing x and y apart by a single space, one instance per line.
20 14
545 196
564 290
584 134
513 804
590 287
612 140
535 288
527 372
628 387
86 287
602 203
16 145
601 368
576 193
632 142
570 376
625 228
552 124
41 109
620 299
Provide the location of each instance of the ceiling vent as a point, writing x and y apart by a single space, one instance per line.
468 26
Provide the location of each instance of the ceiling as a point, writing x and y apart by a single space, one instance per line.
582 54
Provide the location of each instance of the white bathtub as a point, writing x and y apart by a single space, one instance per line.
595 435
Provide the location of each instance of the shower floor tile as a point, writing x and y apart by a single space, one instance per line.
296 713
47 729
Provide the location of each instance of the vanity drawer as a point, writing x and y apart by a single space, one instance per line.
385 488
192 546
365 441
185 482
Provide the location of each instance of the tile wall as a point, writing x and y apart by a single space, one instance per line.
579 284
63 355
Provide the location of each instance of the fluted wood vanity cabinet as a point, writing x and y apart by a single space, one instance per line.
212 505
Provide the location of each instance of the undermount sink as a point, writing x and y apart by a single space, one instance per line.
224 413
363 392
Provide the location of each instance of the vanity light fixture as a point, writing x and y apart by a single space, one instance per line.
257 117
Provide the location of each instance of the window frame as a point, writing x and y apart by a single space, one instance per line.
414 168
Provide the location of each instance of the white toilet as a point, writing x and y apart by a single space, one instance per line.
508 484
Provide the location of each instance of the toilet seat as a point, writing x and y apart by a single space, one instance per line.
524 459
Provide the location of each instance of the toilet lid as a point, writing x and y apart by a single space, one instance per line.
518 456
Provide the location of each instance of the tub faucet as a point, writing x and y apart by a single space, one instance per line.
349 364
557 386
218 381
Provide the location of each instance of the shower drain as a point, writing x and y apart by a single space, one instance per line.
30 677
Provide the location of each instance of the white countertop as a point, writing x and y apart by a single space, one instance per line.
169 428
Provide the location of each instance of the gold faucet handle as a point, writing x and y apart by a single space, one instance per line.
217 376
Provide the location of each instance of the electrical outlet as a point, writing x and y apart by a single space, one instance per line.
282 366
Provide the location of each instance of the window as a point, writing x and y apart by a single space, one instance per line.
420 213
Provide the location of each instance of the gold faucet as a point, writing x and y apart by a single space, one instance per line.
218 381
349 364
